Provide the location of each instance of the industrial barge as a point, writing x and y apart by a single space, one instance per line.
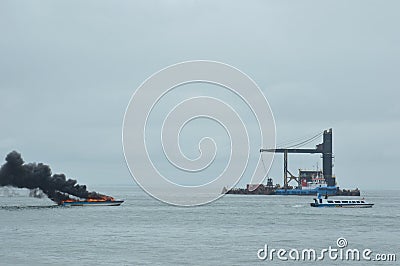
308 182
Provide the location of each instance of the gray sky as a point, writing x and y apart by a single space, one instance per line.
69 68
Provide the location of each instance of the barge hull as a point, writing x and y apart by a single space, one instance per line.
262 190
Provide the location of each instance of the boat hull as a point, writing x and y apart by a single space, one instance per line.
92 203
365 205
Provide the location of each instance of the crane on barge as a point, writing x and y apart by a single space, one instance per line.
325 148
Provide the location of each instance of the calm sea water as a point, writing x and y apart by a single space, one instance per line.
230 231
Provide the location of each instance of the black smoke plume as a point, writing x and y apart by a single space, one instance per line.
57 187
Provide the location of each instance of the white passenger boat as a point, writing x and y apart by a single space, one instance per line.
341 203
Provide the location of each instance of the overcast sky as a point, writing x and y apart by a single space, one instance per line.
69 68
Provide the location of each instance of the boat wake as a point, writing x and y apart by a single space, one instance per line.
17 208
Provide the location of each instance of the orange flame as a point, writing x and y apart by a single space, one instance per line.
103 198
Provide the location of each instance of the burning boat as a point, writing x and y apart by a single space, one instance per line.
91 202
101 200
38 178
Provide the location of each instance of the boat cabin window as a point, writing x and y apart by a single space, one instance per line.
320 200
358 201
345 201
337 201
330 201
362 201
